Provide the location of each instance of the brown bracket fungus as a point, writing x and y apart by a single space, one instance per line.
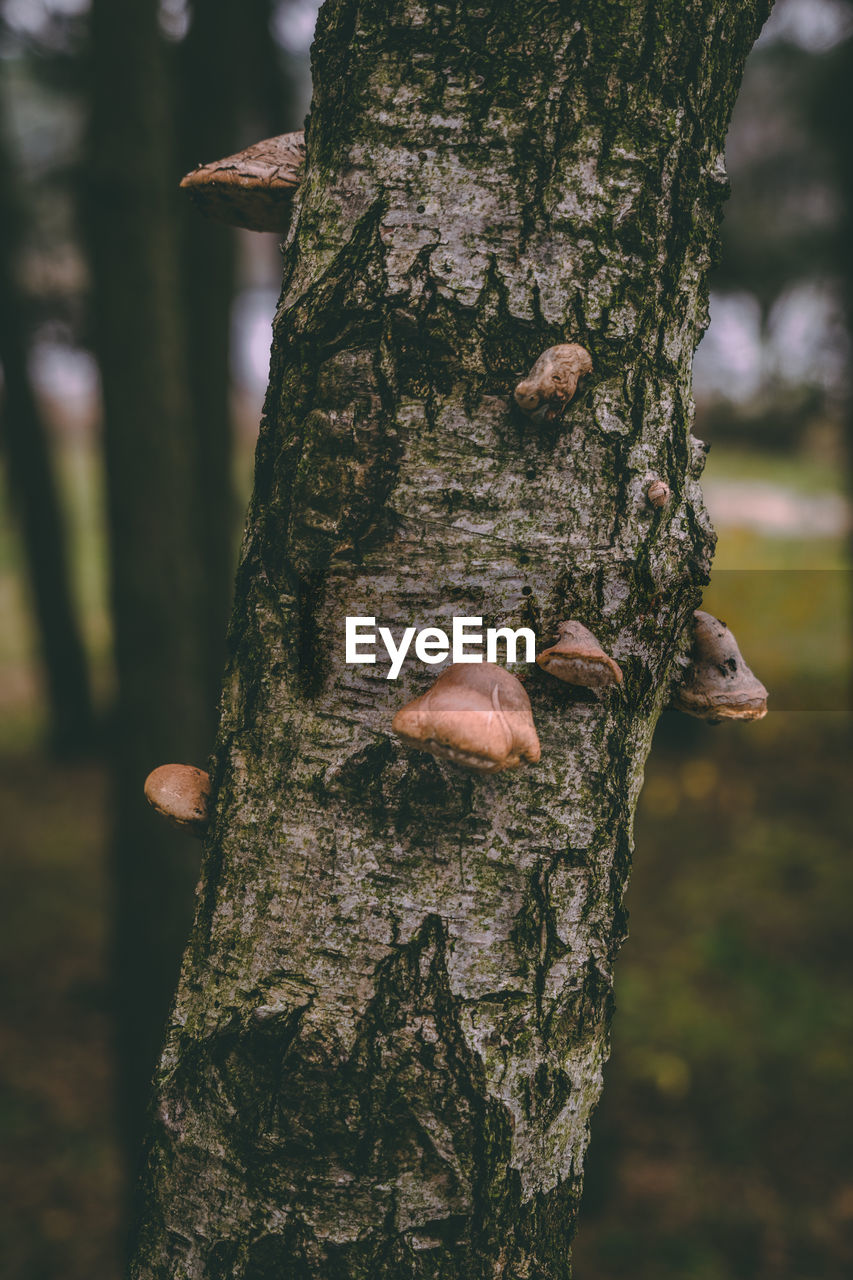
552 381
658 493
477 715
578 658
719 685
180 793
254 188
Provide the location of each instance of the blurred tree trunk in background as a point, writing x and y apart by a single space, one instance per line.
267 93
395 1006
228 78
163 709
164 281
834 122
209 125
33 495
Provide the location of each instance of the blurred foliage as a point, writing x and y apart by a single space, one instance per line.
783 223
722 1147
774 365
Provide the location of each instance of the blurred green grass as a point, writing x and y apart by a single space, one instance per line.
793 626
722 1145
787 596
805 471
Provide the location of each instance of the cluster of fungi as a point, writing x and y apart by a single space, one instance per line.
476 715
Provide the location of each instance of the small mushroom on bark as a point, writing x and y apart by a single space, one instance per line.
180 793
578 658
254 188
477 715
719 685
552 381
658 493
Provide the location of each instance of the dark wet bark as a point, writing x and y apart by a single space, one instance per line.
395 1006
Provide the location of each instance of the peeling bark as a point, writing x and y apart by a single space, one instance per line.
394 1010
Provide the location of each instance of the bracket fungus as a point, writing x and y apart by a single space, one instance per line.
658 493
719 685
253 189
578 658
180 793
552 381
477 715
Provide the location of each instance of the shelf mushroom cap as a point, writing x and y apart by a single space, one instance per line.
578 658
719 685
180 793
658 493
553 380
477 715
254 188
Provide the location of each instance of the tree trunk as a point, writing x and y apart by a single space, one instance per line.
833 112
394 1010
226 73
210 127
267 89
35 500
132 225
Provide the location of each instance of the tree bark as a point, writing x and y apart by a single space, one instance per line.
394 1010
160 714
35 499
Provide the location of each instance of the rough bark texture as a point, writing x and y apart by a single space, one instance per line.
394 1010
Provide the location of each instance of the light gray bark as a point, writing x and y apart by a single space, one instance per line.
395 1005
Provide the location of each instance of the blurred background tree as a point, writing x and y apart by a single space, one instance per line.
110 105
162 284
33 496
137 335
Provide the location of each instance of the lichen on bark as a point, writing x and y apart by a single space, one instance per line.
394 1010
